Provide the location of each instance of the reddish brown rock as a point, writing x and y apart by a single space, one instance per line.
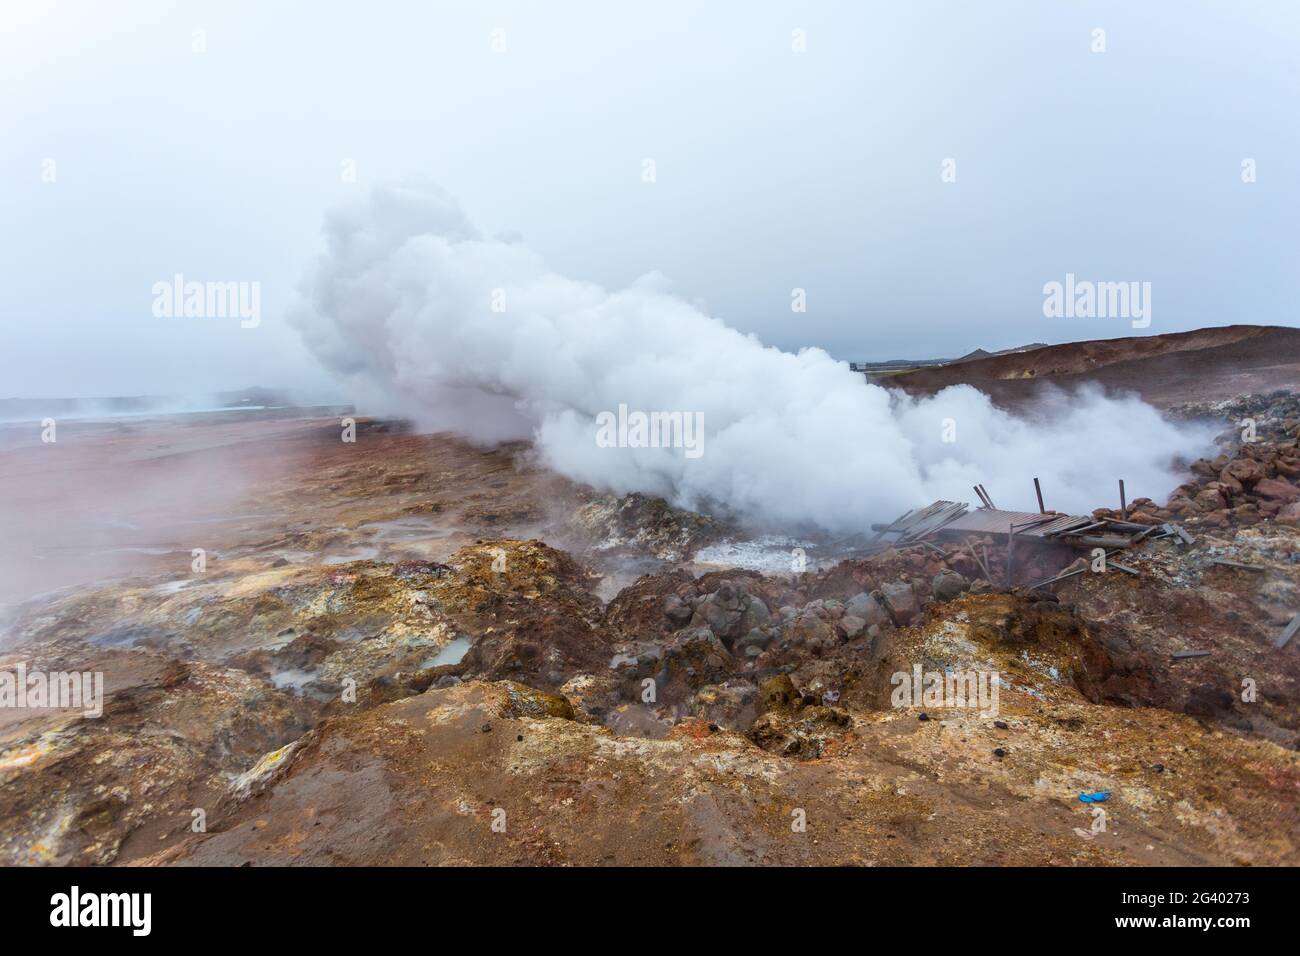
1245 471
1277 488
1227 483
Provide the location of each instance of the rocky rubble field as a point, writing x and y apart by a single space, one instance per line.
488 707
1253 478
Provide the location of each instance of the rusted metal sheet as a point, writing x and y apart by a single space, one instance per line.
1237 564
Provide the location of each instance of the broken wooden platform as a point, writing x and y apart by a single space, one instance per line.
955 518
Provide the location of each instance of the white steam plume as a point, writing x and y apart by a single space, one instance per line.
401 304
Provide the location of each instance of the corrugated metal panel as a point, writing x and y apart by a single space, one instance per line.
993 521
1060 524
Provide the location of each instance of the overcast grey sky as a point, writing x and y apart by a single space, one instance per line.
775 169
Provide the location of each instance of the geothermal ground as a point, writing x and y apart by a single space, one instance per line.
407 650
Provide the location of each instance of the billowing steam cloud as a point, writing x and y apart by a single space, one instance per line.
427 317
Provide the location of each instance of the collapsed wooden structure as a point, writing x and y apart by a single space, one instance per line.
955 519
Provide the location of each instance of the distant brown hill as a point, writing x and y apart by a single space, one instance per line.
1204 365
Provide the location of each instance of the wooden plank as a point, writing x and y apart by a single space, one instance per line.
1077 529
1237 564
901 524
1128 525
1121 567
1289 633
1182 533
1100 541
936 518
1034 522
902 521
1188 655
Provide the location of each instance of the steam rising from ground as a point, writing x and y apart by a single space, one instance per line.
402 305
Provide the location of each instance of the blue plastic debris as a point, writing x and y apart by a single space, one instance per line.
1101 796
